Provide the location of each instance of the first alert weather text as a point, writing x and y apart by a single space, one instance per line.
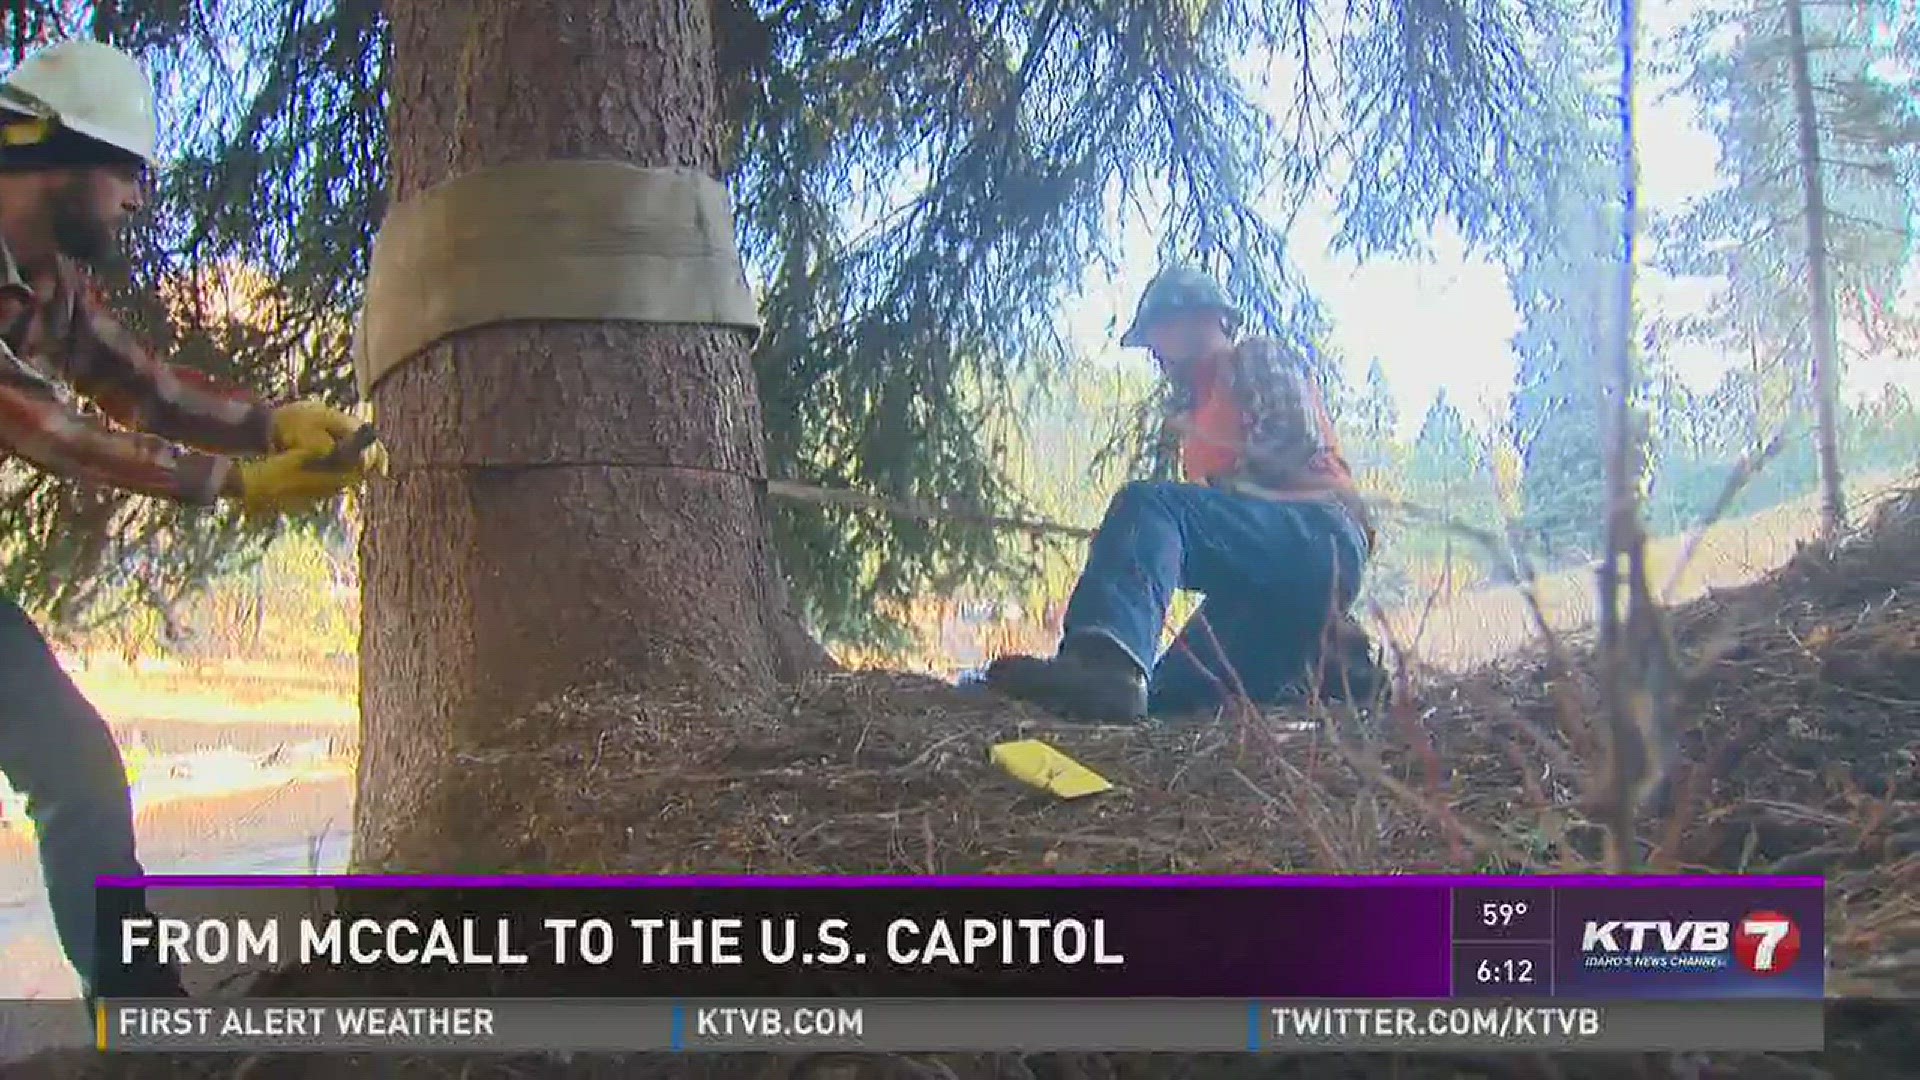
678 942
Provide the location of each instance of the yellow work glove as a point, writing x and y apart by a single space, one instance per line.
313 425
286 481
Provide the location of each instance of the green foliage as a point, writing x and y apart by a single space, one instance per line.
919 184
1707 435
1562 290
1028 131
1057 461
1884 435
1557 422
1371 434
1750 235
1749 238
1451 477
299 603
1373 425
1446 456
80 554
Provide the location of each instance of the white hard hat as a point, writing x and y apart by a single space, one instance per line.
90 89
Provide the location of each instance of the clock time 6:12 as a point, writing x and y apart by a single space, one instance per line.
1513 971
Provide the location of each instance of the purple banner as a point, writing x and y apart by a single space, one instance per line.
1252 937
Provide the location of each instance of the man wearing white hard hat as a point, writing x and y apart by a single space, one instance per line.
77 134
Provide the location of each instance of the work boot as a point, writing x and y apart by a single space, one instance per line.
147 980
150 980
1091 679
144 977
1352 669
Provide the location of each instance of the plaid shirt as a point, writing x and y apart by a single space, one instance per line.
1290 449
58 342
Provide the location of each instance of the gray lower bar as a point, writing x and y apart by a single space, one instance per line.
971 1025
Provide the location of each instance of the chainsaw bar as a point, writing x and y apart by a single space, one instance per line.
347 451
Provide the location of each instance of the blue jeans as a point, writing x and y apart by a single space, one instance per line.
1274 575
57 750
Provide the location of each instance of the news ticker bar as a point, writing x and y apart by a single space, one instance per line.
1404 936
909 1025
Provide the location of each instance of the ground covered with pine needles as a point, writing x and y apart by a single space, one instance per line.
1799 724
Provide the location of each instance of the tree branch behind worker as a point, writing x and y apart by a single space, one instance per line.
77 134
1268 525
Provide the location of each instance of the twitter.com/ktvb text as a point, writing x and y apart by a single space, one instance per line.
1494 1023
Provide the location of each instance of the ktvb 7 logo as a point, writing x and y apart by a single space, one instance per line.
1762 942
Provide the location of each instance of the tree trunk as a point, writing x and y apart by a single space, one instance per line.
571 502
1627 693
1826 345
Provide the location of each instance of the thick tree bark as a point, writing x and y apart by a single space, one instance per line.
1826 345
571 502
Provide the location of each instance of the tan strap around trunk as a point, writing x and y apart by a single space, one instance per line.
552 240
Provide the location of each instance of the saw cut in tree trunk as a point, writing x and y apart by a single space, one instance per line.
572 503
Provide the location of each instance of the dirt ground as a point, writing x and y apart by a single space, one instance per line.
1792 725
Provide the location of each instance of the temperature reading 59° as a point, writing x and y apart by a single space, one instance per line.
1502 915
1502 912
